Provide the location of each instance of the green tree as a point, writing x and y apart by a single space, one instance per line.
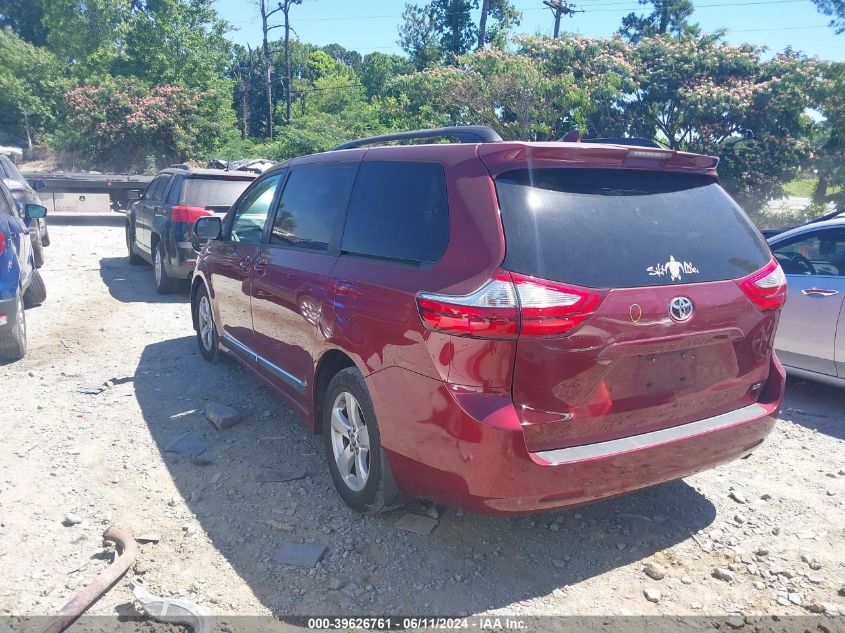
830 149
31 89
378 69
175 41
419 35
667 16
87 36
836 10
25 19
505 17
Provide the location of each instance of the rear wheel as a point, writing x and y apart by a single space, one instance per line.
134 258
353 444
36 292
206 331
13 342
164 284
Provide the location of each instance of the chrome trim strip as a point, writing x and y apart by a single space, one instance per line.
280 373
653 438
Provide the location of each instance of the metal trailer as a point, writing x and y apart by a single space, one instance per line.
77 192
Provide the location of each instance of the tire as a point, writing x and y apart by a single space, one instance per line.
134 258
13 342
37 249
363 491
164 284
45 237
36 293
207 340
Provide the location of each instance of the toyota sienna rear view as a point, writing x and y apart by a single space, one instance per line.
504 327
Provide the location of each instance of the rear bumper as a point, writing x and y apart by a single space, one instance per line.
467 449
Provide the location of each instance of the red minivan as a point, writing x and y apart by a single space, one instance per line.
500 326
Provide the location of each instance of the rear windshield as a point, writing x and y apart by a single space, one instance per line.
212 192
606 228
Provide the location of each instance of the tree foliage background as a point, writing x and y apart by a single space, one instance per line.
134 84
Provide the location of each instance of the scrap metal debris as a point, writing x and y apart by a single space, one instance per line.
173 610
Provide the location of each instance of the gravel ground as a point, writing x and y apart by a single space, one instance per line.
72 463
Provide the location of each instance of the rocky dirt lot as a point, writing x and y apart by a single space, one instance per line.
764 535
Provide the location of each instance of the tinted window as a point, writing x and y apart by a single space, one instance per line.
10 170
313 197
606 228
398 211
212 192
817 253
156 189
173 194
7 203
251 214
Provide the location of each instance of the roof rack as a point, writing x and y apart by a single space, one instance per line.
461 133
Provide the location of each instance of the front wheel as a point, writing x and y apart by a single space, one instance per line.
353 443
134 258
207 339
13 341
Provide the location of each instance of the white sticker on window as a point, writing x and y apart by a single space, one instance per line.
673 268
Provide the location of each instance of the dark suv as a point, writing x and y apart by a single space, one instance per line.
158 226
500 326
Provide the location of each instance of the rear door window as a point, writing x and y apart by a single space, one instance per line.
606 228
398 211
313 198
156 189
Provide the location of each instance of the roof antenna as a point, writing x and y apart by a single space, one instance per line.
573 136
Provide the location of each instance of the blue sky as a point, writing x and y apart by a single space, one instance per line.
371 25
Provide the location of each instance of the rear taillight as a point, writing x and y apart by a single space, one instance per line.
766 288
550 308
2 242
188 214
507 305
489 312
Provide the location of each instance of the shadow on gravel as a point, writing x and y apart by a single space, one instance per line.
469 563
815 405
129 284
91 219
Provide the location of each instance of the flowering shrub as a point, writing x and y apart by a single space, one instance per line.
116 124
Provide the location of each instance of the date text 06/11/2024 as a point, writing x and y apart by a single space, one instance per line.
376 623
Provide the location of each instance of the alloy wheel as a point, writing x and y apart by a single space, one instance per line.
350 441
206 323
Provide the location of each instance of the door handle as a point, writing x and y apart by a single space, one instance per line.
260 267
245 264
819 292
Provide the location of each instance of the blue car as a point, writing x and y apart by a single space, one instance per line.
21 285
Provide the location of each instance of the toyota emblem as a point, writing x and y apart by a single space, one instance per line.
680 309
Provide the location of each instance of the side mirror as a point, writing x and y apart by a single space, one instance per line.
132 195
37 185
35 212
208 228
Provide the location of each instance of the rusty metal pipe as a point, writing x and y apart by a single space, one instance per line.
83 600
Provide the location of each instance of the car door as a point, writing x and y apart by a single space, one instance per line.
21 239
814 263
292 273
230 264
145 212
